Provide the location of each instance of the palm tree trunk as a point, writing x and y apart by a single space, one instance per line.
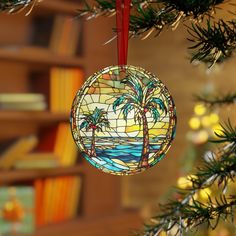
93 152
145 152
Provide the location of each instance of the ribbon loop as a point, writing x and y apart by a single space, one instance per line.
122 26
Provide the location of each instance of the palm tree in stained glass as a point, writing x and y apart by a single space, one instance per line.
94 121
140 98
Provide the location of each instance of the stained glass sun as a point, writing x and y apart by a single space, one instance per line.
123 120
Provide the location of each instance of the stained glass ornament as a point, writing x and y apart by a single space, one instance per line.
123 120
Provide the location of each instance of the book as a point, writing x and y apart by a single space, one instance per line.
49 193
65 190
17 210
58 140
66 35
57 199
21 97
36 161
56 33
47 138
49 198
18 148
64 84
65 147
22 101
39 185
38 106
53 148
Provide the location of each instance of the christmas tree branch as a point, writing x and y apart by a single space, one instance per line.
221 171
13 6
186 212
101 7
195 8
179 218
227 134
213 43
227 99
153 15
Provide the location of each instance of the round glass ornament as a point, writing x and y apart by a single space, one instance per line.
123 120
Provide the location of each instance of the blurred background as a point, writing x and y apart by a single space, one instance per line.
46 186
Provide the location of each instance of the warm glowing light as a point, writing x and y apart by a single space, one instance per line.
205 193
200 109
214 118
206 121
194 123
192 177
219 232
162 233
202 136
183 182
217 129
194 198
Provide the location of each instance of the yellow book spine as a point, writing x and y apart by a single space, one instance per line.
54 89
56 199
46 200
59 147
66 158
51 200
61 92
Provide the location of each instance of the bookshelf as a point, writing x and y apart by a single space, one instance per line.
100 210
17 176
61 6
33 116
116 224
37 55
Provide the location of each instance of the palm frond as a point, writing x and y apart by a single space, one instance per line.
149 90
88 117
97 117
135 85
84 124
103 124
118 102
97 114
126 109
155 114
157 101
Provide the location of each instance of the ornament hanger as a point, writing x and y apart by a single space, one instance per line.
122 26
123 118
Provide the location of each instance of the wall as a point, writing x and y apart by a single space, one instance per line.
167 57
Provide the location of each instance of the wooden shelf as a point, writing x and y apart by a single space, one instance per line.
33 116
117 224
14 176
37 55
60 6
25 68
15 124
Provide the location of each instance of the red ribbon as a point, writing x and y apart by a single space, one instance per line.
122 26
